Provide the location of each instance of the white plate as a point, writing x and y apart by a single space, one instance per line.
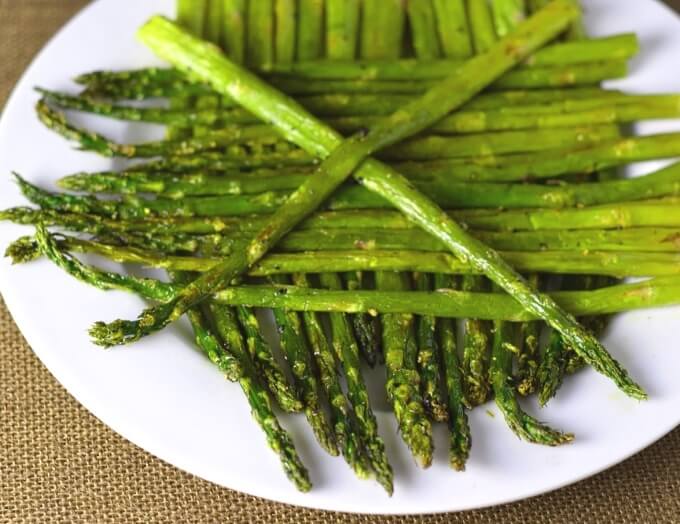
164 396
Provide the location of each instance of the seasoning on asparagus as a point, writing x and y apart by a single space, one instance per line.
459 429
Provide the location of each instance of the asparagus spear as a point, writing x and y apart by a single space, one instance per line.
475 349
205 195
191 14
214 21
651 213
507 14
382 26
261 354
459 430
552 368
453 28
657 292
347 352
612 263
342 28
571 113
429 361
423 148
366 328
582 74
310 29
233 32
284 38
403 381
527 360
488 306
349 438
481 25
524 425
421 17
234 361
342 35
260 32
212 347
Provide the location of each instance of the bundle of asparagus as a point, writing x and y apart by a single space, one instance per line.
492 134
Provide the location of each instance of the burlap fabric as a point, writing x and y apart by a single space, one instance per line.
60 464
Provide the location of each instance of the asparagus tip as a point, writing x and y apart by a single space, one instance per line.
114 333
72 182
22 250
458 463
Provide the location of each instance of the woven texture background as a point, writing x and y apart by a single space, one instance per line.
60 464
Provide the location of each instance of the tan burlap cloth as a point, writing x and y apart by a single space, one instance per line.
59 464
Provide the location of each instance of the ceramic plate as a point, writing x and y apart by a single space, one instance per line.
164 396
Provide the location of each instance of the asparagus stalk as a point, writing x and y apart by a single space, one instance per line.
581 74
459 429
613 263
570 113
191 14
214 21
223 196
416 149
382 26
90 141
657 292
366 328
347 352
528 357
507 14
651 213
403 381
295 346
233 32
488 306
310 29
261 354
421 17
481 25
429 361
476 341
524 425
260 32
348 437
453 28
342 28
169 41
284 38
342 34
211 346
552 368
